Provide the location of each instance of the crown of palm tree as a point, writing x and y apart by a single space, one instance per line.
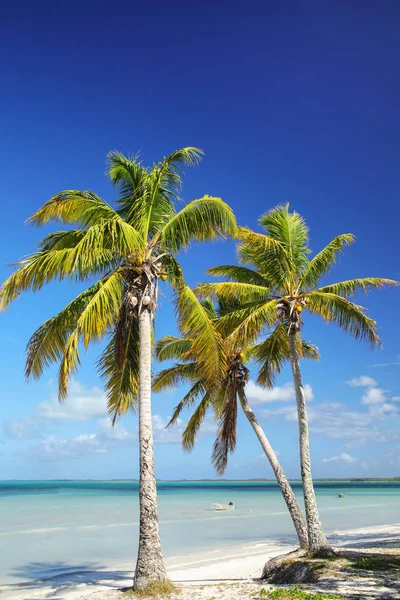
126 249
222 394
284 282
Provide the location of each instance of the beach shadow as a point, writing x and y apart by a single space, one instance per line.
63 575
366 540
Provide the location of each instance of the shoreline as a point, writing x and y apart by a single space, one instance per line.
219 480
219 568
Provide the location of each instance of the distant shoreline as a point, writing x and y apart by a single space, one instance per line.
339 479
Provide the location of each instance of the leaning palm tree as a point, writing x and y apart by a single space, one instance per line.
127 248
223 398
281 286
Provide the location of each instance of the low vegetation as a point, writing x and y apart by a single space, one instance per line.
295 594
155 589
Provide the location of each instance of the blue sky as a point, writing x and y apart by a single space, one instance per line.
294 101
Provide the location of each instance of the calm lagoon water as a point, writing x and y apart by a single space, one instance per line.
48 526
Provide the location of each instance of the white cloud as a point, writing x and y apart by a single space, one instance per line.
285 393
116 432
346 458
363 381
23 428
162 435
82 404
377 402
335 421
373 396
53 448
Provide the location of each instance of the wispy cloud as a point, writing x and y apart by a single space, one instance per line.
363 381
83 403
258 395
396 362
346 458
22 428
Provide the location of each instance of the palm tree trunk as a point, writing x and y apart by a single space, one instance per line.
286 488
150 565
317 538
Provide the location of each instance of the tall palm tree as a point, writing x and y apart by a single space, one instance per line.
281 286
223 398
127 248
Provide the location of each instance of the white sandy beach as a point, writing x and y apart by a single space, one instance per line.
230 576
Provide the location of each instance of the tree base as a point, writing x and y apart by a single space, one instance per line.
157 587
289 568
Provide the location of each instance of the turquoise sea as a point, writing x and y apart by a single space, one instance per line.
51 528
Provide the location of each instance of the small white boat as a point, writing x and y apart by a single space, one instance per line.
230 506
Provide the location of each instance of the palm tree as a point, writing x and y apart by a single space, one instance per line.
281 286
127 249
224 398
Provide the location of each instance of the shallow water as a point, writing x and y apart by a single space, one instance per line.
49 529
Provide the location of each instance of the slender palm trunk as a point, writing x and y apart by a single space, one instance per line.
286 488
317 538
150 565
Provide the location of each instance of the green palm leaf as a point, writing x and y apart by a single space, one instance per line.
226 435
170 378
119 368
233 290
323 261
352 286
200 220
192 428
195 391
240 274
82 208
348 316
172 348
196 325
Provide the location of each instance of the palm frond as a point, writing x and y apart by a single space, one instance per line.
209 306
233 314
195 421
352 286
290 229
264 315
189 156
195 391
69 364
172 348
233 290
266 254
200 220
308 350
173 376
46 346
96 252
240 274
173 270
196 324
348 316
118 366
324 260
271 355
226 434
126 172
84 208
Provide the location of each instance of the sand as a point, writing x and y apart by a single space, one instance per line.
229 577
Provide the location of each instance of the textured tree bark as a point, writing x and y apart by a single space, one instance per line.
316 536
286 489
150 565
